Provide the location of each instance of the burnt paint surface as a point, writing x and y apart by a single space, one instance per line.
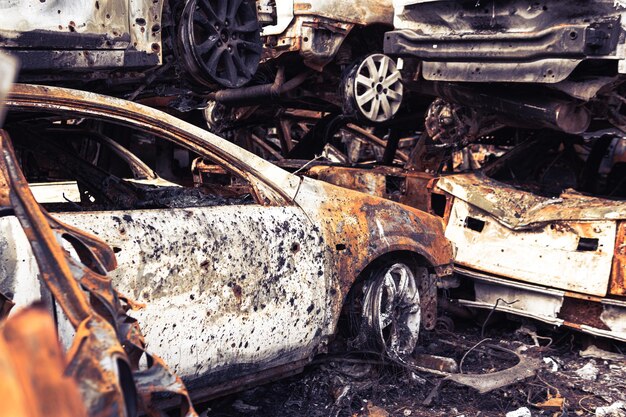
363 228
225 288
74 34
618 272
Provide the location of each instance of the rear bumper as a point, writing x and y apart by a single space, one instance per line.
604 317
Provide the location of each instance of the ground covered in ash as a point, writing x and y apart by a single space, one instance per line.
579 376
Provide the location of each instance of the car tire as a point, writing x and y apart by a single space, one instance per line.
220 41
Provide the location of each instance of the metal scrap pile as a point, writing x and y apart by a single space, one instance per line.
242 187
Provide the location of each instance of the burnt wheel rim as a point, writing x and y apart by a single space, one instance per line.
392 304
221 41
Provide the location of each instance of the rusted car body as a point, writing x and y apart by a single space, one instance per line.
317 29
235 281
557 64
551 249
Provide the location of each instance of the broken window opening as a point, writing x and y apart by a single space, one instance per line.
93 165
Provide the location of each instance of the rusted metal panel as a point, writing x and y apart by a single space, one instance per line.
365 181
553 254
317 39
520 209
361 12
32 368
519 298
592 315
410 188
317 29
618 273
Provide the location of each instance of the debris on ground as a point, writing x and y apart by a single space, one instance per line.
589 372
356 385
520 412
553 403
593 351
554 366
617 409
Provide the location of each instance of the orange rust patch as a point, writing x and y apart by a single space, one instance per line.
32 369
301 6
617 285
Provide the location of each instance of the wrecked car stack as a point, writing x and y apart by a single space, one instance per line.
429 159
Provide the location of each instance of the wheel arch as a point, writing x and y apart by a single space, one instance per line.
415 258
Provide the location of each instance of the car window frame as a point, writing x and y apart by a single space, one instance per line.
272 185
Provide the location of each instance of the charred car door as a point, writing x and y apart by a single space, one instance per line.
227 278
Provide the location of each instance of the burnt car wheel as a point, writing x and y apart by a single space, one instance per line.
391 309
220 41
372 89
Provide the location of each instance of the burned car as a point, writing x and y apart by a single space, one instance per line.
533 64
237 275
106 369
134 48
538 231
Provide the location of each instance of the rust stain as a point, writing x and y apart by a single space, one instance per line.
353 220
32 368
617 285
301 6
576 312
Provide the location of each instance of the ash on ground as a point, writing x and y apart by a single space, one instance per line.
580 376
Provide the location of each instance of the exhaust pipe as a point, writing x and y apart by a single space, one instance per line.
255 93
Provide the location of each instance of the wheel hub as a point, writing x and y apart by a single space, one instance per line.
375 88
391 309
220 41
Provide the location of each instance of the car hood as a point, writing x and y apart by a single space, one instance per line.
519 209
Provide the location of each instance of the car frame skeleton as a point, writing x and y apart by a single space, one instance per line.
308 247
